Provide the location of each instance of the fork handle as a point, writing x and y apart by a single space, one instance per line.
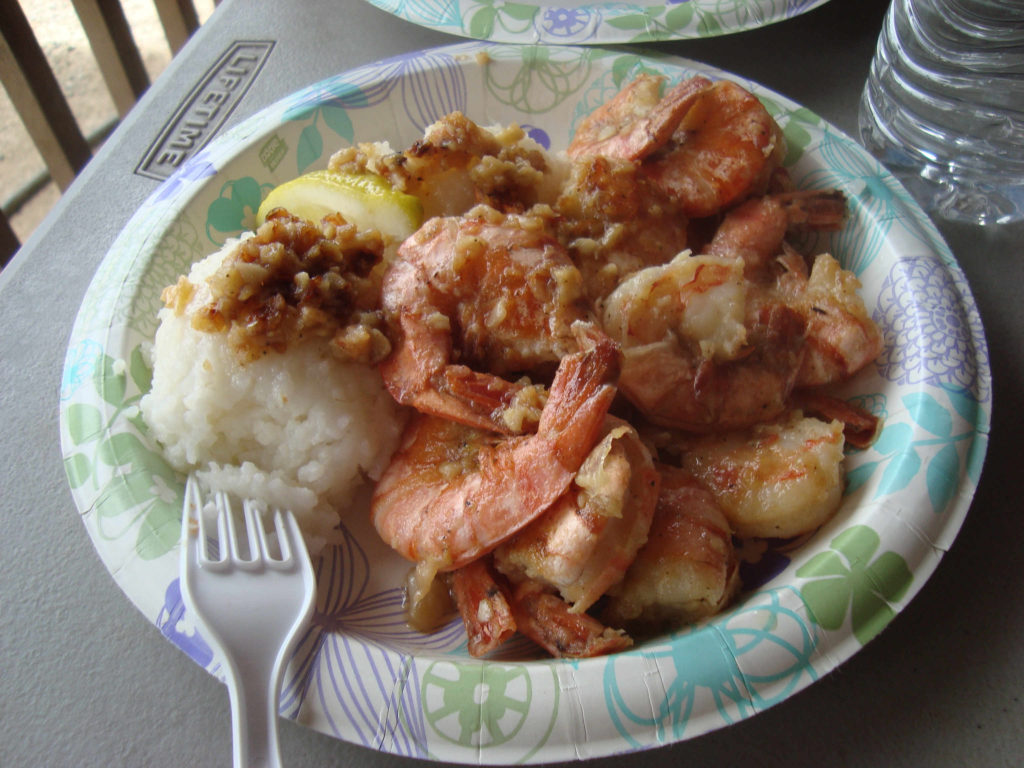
254 700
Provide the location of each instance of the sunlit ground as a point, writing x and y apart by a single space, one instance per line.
25 192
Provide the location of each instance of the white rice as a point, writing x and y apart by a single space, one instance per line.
298 429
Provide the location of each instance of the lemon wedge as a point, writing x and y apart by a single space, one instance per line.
365 199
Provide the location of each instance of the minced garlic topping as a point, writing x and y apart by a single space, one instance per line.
294 280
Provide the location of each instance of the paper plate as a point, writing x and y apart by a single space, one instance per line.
360 674
565 22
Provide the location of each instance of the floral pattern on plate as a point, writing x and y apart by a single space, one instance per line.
583 22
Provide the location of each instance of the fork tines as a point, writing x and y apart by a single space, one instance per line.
225 547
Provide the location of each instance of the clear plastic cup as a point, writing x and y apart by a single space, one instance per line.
943 106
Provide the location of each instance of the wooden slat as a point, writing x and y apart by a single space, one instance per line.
114 49
37 97
179 19
8 241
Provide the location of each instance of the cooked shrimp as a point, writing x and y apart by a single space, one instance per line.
583 544
708 146
638 120
687 569
755 231
475 298
699 298
549 621
453 493
484 602
841 336
699 353
775 480
726 149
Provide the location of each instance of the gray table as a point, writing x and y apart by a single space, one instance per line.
87 681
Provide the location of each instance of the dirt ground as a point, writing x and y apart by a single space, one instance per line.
66 47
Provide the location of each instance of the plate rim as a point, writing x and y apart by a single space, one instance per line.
604 22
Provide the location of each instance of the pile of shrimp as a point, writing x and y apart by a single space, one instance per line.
617 366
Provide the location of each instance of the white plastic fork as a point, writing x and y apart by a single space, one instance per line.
250 606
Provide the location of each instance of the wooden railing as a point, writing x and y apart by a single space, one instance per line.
36 94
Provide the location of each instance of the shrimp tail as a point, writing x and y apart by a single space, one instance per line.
823 210
550 622
484 604
477 406
580 396
479 398
860 428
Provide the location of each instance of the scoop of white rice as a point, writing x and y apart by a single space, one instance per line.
299 429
